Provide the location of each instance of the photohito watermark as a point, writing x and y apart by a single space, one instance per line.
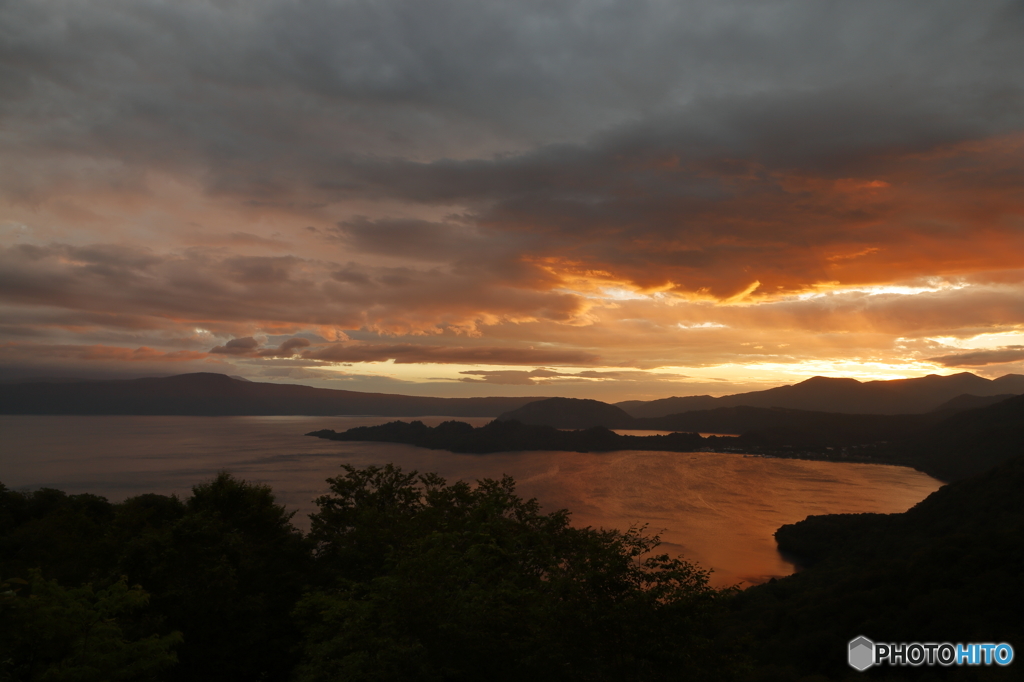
864 653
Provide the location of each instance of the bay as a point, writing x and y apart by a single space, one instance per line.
718 510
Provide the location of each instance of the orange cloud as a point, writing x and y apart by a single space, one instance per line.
20 351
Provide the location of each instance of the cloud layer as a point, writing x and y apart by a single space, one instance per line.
564 187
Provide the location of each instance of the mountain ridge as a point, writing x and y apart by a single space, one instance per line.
571 413
217 394
212 394
947 445
844 395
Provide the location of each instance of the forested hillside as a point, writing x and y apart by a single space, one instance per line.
401 577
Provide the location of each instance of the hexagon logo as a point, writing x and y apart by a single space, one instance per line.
862 653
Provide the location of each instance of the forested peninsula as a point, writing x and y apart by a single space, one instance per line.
947 445
510 436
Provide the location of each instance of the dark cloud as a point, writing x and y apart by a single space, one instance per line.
200 286
982 357
407 238
250 347
277 102
350 275
48 319
783 189
244 346
32 352
261 270
494 170
286 349
243 239
736 145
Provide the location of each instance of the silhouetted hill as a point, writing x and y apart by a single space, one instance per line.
765 426
512 436
825 394
570 413
1010 383
946 444
970 442
799 428
666 406
219 395
947 570
971 402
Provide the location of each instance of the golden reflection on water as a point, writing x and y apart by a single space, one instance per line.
719 510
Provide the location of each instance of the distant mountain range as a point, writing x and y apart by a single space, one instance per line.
217 394
967 435
207 394
824 394
763 426
945 431
778 407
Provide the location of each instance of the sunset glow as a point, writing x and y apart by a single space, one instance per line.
432 201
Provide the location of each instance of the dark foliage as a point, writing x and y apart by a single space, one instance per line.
57 634
68 534
226 571
949 570
225 568
452 582
402 577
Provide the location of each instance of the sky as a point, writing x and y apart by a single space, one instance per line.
616 199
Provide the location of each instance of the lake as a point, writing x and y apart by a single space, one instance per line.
718 510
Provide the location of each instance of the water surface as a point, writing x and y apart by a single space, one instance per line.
719 510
